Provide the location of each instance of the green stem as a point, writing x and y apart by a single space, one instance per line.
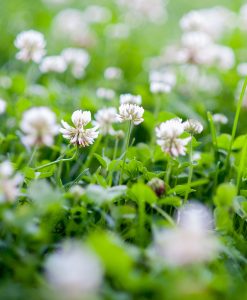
168 170
32 156
164 214
92 151
126 149
190 171
235 123
157 106
115 149
242 164
56 162
141 223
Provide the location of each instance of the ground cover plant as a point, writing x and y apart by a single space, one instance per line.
123 149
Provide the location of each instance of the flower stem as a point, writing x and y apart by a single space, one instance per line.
168 170
115 149
235 123
126 149
56 162
92 151
242 164
164 214
190 171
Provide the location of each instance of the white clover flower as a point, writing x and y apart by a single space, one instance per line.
168 134
113 73
242 69
3 106
54 63
243 17
220 118
165 76
192 241
9 183
193 126
157 87
130 99
118 31
97 14
106 94
131 112
145 10
217 55
213 21
162 81
104 119
31 44
74 271
79 135
77 59
193 43
70 24
39 126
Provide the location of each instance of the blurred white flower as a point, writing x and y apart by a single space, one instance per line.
131 112
217 55
162 81
159 87
56 2
192 241
130 99
77 59
79 135
220 118
74 271
242 69
9 182
213 21
106 94
31 44
145 10
3 106
118 31
112 73
97 14
70 24
54 63
104 118
39 126
168 133
243 17
77 191
193 126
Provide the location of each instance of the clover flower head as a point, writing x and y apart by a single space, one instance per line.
55 63
31 44
131 112
193 126
104 119
168 137
77 59
192 241
220 118
39 127
113 73
79 135
130 99
3 106
106 94
9 183
74 271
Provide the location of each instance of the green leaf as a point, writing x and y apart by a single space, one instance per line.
225 194
142 192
